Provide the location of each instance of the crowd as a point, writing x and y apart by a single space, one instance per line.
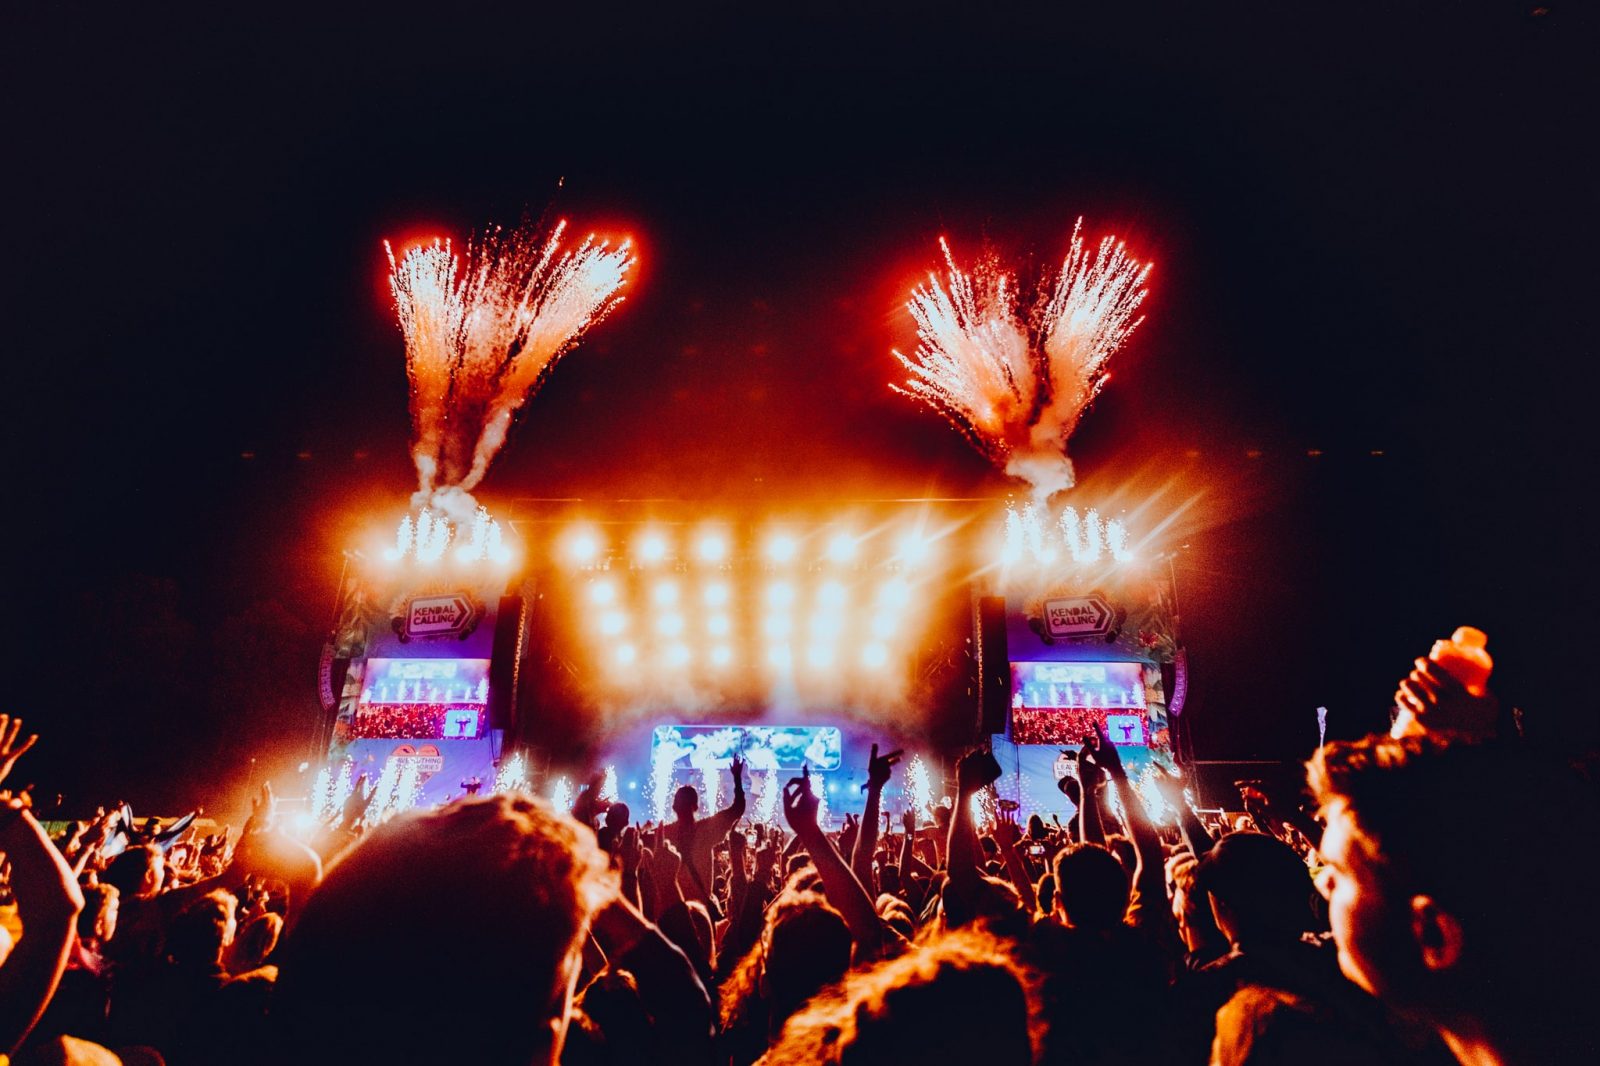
1427 903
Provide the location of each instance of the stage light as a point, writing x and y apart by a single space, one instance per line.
824 626
780 594
778 656
613 623
652 548
626 653
777 626
603 592
713 548
894 593
721 655
819 656
842 548
832 594
716 594
583 547
781 548
718 625
678 655
883 626
670 625
875 656
665 593
915 549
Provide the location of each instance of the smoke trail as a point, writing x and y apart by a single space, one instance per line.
1017 386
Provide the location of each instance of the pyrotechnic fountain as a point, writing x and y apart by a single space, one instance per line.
1017 383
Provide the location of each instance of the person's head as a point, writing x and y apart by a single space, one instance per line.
1260 891
685 802
806 947
256 941
988 900
97 922
1456 888
495 893
1123 849
1091 887
137 872
1191 909
617 816
889 878
958 998
202 930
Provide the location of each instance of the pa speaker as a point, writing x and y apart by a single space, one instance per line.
994 665
506 663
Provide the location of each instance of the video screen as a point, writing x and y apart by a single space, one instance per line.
424 699
1060 702
704 747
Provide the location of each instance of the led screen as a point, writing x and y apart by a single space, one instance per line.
424 699
1060 702
762 747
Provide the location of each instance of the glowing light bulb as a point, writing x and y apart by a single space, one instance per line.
584 548
781 548
713 548
894 594
842 547
777 626
716 595
652 548
875 656
883 626
914 549
718 625
721 655
626 654
819 656
678 655
778 656
780 594
665 592
670 625
832 594
612 623
603 592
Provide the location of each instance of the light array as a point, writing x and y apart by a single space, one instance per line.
1033 537
714 623
428 537
716 547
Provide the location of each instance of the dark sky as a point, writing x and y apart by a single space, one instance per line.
1373 232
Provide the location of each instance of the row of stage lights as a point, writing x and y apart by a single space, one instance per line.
586 548
664 625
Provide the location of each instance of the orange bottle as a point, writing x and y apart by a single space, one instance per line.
1465 656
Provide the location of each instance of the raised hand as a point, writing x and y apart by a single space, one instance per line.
1006 832
10 749
737 768
879 767
1106 754
975 770
799 805
1438 701
629 849
909 821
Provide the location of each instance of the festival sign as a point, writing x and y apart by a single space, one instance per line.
450 615
1080 617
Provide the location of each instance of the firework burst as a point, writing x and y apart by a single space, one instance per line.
481 337
1017 384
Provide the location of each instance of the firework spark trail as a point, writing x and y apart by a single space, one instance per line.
428 299
481 337
1088 317
972 363
1017 385
560 302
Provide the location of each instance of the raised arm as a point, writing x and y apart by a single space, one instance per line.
48 902
838 883
719 824
1147 905
878 771
1007 835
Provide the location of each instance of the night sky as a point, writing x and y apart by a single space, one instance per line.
1372 231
